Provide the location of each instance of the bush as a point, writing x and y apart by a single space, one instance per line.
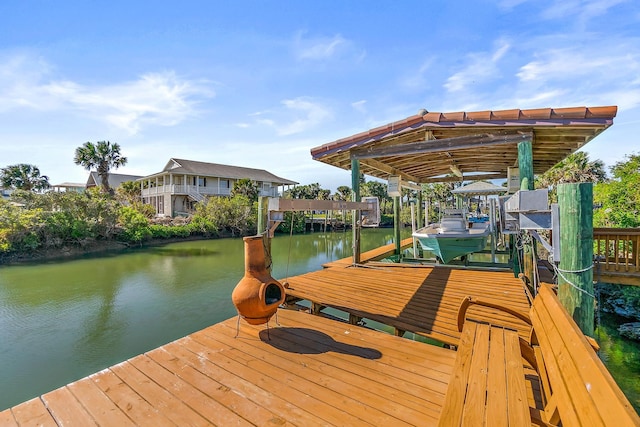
135 226
169 231
236 214
20 228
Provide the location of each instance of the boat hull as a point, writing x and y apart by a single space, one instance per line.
448 246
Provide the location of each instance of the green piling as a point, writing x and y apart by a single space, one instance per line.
575 278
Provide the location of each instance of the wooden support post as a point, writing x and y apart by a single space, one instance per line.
525 163
575 281
355 186
263 214
396 224
525 166
419 216
354 320
316 308
263 228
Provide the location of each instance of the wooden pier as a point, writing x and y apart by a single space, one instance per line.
420 299
309 371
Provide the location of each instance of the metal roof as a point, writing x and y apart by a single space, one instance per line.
115 179
426 147
192 167
479 188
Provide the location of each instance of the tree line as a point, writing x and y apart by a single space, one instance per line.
37 219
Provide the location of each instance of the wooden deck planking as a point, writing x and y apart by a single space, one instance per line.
372 255
313 371
421 300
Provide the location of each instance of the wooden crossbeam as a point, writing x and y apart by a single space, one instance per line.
446 144
289 205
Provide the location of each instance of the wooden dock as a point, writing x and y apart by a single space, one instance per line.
419 299
312 371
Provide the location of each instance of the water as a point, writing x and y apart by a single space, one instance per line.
63 320
622 356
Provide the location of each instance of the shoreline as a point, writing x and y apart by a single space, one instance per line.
94 248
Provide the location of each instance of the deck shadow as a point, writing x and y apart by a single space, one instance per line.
310 341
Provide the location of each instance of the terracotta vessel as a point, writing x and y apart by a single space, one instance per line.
257 295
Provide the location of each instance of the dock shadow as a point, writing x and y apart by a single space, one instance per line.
310 341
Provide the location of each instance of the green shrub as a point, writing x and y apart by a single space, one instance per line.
135 226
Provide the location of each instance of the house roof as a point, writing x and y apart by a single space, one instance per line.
70 185
479 188
115 180
482 144
192 167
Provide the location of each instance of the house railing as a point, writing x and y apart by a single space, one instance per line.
192 189
617 248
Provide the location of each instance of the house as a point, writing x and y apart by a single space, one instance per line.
5 193
115 179
69 186
182 183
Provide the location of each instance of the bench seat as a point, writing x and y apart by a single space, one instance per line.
488 383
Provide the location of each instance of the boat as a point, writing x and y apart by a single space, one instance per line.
452 237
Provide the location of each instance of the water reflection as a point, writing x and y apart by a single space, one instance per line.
62 321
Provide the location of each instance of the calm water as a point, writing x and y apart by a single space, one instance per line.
64 320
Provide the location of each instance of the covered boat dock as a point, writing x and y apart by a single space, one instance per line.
519 361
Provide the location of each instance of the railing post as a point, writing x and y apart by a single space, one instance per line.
355 186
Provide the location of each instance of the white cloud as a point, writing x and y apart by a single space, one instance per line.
418 80
481 68
510 4
569 63
326 48
299 115
596 75
162 98
581 11
359 106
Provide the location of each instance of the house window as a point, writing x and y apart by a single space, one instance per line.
224 183
202 182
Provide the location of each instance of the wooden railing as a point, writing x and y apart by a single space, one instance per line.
617 254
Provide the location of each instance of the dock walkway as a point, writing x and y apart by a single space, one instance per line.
312 371
419 299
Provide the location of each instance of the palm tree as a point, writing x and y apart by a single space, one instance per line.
246 187
23 177
576 167
129 191
343 192
103 156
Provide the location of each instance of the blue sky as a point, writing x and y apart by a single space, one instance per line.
259 83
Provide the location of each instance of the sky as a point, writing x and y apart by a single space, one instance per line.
259 83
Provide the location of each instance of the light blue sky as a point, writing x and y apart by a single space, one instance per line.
259 83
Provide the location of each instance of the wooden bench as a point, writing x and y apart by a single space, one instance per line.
576 387
488 383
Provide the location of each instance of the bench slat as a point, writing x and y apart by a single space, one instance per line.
518 406
456 392
475 401
496 400
585 392
553 370
488 383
